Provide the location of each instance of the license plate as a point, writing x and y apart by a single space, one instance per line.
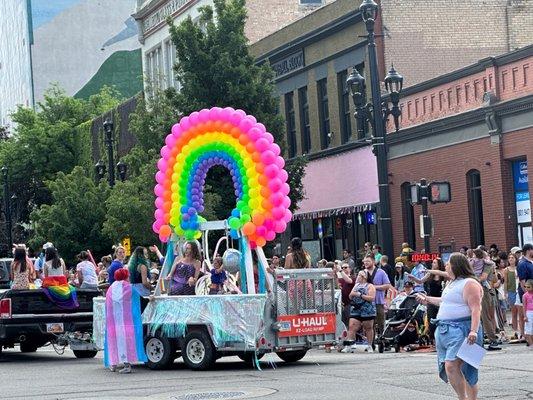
55 328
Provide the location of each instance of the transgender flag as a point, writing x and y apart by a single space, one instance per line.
124 332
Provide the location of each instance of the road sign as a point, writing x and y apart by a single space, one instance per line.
126 243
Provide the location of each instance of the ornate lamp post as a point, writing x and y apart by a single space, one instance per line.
100 169
108 132
122 169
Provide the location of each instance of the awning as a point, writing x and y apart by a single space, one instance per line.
339 184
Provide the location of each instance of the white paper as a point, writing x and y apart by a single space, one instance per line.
471 353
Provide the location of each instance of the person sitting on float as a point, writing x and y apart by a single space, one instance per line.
218 277
185 271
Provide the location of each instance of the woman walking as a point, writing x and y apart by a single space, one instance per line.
511 286
363 310
458 318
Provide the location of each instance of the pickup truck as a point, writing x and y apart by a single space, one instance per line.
30 320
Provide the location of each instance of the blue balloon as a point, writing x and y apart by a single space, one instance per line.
185 217
184 209
235 213
234 234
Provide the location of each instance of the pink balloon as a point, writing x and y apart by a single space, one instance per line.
159 202
185 123
242 113
277 199
285 189
260 231
160 177
176 130
156 225
280 162
261 127
236 118
254 134
252 118
253 245
166 152
268 157
274 185
214 113
268 136
269 224
163 239
278 213
280 227
170 140
262 145
271 171
159 190
270 235
275 149
194 118
203 115
162 164
246 124
159 214
283 175
286 202
288 216
225 114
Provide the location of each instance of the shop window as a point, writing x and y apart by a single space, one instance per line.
408 216
291 123
475 207
305 126
323 113
344 107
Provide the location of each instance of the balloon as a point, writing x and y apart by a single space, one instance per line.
260 242
254 134
176 130
285 189
271 171
288 216
159 202
162 164
234 223
160 177
165 231
268 136
274 185
268 157
165 152
163 239
275 149
270 235
258 218
286 202
280 162
261 144
185 124
278 213
280 227
159 190
248 229
170 140
283 175
260 231
156 225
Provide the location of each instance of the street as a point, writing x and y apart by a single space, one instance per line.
507 374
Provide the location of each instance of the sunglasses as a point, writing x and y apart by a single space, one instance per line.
344 267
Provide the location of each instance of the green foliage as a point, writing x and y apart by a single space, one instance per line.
296 171
74 219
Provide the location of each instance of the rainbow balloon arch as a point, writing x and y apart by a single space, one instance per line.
236 141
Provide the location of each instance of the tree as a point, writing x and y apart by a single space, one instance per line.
74 220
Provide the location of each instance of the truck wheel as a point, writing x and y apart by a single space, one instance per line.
85 353
292 356
249 357
160 352
28 348
198 351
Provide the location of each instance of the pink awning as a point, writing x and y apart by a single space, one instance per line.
339 184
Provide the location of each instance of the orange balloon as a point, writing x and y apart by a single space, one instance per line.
165 230
248 229
226 127
167 195
217 125
250 147
266 205
258 219
244 140
167 206
260 168
265 192
263 180
260 241
256 156
209 127
235 132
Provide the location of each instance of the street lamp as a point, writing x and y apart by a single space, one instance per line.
377 112
122 169
99 169
7 208
108 131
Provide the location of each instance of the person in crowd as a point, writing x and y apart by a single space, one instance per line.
408 288
524 268
363 310
138 267
39 262
376 250
154 275
400 275
463 250
86 272
458 318
275 263
297 257
385 266
20 270
117 263
435 288
185 271
527 300
346 281
367 250
54 265
498 284
103 277
378 278
347 257
123 325
417 275
511 285
218 277
105 263
154 249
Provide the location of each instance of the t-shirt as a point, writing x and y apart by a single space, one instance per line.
527 300
380 278
524 269
419 272
346 288
88 272
377 257
389 270
114 267
218 278
39 263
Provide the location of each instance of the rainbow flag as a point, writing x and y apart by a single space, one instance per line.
59 292
123 331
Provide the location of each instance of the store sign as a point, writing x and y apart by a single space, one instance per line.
162 13
523 207
520 177
289 64
303 325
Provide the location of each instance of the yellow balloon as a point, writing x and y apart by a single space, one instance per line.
198 235
175 196
254 203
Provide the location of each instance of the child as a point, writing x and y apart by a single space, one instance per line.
477 262
527 300
218 277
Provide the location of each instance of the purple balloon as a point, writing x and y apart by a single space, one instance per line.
191 211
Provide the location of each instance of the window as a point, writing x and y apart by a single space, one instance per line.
154 68
408 215
344 107
305 126
323 112
291 123
311 2
170 60
475 208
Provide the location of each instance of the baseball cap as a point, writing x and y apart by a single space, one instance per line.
154 271
47 245
516 249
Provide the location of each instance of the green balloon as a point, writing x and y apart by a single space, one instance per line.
234 223
245 218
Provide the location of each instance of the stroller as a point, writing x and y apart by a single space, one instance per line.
404 324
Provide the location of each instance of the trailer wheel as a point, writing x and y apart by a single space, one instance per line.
197 351
292 356
160 352
85 353
381 347
28 348
249 357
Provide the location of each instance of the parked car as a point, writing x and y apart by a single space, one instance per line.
5 264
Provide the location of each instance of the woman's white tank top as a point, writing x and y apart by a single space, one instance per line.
453 305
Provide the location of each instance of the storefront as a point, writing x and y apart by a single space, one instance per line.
522 201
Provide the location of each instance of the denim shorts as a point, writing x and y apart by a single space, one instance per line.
449 336
511 298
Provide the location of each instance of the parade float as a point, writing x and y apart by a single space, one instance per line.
289 313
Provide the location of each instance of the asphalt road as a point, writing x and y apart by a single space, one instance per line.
506 375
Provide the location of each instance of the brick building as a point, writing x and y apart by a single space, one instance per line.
472 127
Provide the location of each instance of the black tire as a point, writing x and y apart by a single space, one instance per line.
397 347
381 347
28 348
292 356
249 357
198 351
85 353
160 352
